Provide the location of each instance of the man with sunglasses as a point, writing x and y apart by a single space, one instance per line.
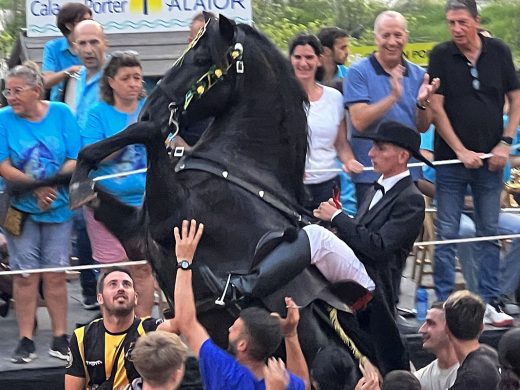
477 73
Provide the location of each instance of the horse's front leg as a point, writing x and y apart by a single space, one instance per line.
81 190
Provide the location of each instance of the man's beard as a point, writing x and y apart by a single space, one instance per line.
232 348
119 311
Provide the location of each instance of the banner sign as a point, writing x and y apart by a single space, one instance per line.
418 53
135 16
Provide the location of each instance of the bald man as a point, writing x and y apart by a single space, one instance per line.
91 44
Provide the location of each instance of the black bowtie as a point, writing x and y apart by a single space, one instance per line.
379 187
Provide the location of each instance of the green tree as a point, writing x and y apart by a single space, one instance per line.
13 25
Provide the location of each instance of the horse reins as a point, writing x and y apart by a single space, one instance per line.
192 163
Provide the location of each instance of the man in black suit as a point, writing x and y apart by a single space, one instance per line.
383 232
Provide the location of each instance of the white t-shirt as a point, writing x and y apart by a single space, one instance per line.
434 378
323 118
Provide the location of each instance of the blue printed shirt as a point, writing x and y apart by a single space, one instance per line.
57 56
219 370
105 121
39 149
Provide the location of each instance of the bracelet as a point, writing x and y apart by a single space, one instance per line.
67 73
420 106
502 142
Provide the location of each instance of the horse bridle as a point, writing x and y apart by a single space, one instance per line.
233 56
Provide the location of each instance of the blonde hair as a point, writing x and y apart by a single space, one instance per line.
157 355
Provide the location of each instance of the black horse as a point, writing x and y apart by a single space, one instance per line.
243 180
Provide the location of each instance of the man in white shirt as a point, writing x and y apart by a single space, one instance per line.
441 373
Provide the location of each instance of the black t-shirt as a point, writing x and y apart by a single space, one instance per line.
477 371
473 97
93 349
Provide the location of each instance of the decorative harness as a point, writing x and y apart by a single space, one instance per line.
233 56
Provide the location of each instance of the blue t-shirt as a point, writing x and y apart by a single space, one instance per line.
39 149
87 94
342 72
104 121
427 144
57 57
219 370
368 82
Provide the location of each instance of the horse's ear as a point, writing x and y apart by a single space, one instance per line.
226 27
207 16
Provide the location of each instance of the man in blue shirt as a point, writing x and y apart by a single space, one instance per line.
253 338
59 59
385 87
91 44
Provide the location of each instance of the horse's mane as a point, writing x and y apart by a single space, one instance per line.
291 97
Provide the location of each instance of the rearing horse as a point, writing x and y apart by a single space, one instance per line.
243 179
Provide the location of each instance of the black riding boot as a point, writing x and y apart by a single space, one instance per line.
276 269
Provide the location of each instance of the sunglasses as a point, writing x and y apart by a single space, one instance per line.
475 83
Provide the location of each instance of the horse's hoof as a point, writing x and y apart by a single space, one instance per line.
81 193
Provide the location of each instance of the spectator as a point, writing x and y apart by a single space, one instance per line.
477 73
331 73
159 358
253 338
441 373
464 314
326 120
90 42
122 97
509 357
38 139
377 236
60 60
385 87
100 341
399 380
335 52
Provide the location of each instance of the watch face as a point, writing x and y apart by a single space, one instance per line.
183 264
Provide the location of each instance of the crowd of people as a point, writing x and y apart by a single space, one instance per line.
369 114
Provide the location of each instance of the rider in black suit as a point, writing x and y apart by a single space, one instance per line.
383 232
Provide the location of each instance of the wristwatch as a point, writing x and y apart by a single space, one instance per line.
506 140
184 265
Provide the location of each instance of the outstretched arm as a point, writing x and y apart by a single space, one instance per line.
186 242
295 360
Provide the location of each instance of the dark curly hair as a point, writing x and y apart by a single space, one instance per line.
118 59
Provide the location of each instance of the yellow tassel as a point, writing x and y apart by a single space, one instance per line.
200 89
333 316
218 73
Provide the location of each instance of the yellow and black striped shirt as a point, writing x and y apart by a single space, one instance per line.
93 349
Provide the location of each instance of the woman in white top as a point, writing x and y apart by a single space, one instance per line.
326 121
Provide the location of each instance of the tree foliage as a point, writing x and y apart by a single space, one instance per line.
12 25
283 19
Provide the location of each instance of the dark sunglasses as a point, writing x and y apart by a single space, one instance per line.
475 83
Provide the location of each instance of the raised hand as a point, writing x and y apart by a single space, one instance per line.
187 240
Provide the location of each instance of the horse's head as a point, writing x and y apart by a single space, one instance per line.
206 63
